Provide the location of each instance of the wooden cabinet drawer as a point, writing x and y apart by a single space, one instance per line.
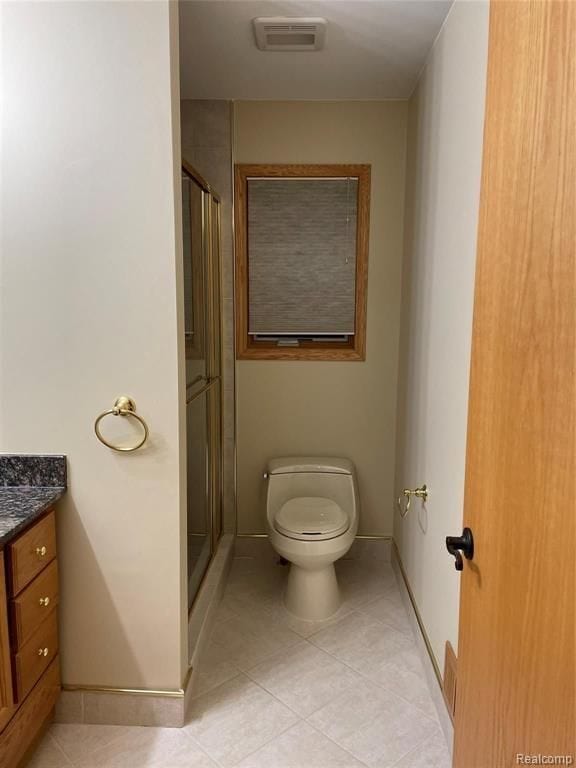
31 553
29 609
30 719
35 655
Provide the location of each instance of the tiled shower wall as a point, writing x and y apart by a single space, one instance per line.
207 145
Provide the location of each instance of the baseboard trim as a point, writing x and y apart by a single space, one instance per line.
398 561
161 693
170 693
109 705
429 662
121 706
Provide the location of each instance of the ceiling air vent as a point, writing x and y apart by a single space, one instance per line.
278 33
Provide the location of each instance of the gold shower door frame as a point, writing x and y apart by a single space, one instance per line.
208 342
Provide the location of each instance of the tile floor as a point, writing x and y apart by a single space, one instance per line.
277 692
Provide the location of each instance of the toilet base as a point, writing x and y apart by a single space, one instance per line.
312 595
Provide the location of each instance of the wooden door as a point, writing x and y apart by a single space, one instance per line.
516 673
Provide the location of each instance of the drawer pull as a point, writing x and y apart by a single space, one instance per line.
41 551
45 601
42 651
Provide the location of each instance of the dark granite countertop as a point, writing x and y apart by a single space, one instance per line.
21 506
29 485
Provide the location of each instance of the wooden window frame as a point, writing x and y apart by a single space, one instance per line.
246 347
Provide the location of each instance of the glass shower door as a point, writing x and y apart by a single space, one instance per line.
215 365
203 360
199 539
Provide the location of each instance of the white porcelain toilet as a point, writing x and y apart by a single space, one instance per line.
312 513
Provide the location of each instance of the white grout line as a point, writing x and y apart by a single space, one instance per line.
197 744
383 687
217 685
83 757
418 747
279 733
282 652
299 714
269 741
253 594
393 589
58 747
337 745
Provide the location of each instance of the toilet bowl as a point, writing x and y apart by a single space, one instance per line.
312 514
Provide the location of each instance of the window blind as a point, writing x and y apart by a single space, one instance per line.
302 256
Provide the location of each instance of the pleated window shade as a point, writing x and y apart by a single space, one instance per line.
302 235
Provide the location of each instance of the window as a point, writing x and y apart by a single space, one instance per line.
301 261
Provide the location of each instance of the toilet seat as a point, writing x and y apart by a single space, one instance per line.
311 518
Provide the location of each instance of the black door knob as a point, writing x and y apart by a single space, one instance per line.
461 545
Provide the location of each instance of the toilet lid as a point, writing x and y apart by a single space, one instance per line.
311 518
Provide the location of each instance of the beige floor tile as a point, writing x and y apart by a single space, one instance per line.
432 753
390 610
381 654
300 747
224 612
214 668
270 604
409 658
248 604
308 628
362 642
77 740
407 684
267 560
235 719
148 748
357 678
261 582
249 640
373 724
49 755
304 678
361 582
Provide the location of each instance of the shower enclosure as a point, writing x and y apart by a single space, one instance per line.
202 339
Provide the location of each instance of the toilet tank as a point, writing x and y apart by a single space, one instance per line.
331 478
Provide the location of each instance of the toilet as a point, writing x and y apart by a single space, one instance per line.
312 515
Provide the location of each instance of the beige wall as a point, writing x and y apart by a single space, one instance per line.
89 311
445 124
207 145
339 409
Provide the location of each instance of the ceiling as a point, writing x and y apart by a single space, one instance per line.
374 49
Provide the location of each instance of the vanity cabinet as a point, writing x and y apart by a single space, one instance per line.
29 668
6 689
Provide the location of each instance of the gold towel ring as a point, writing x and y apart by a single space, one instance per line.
124 406
420 493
